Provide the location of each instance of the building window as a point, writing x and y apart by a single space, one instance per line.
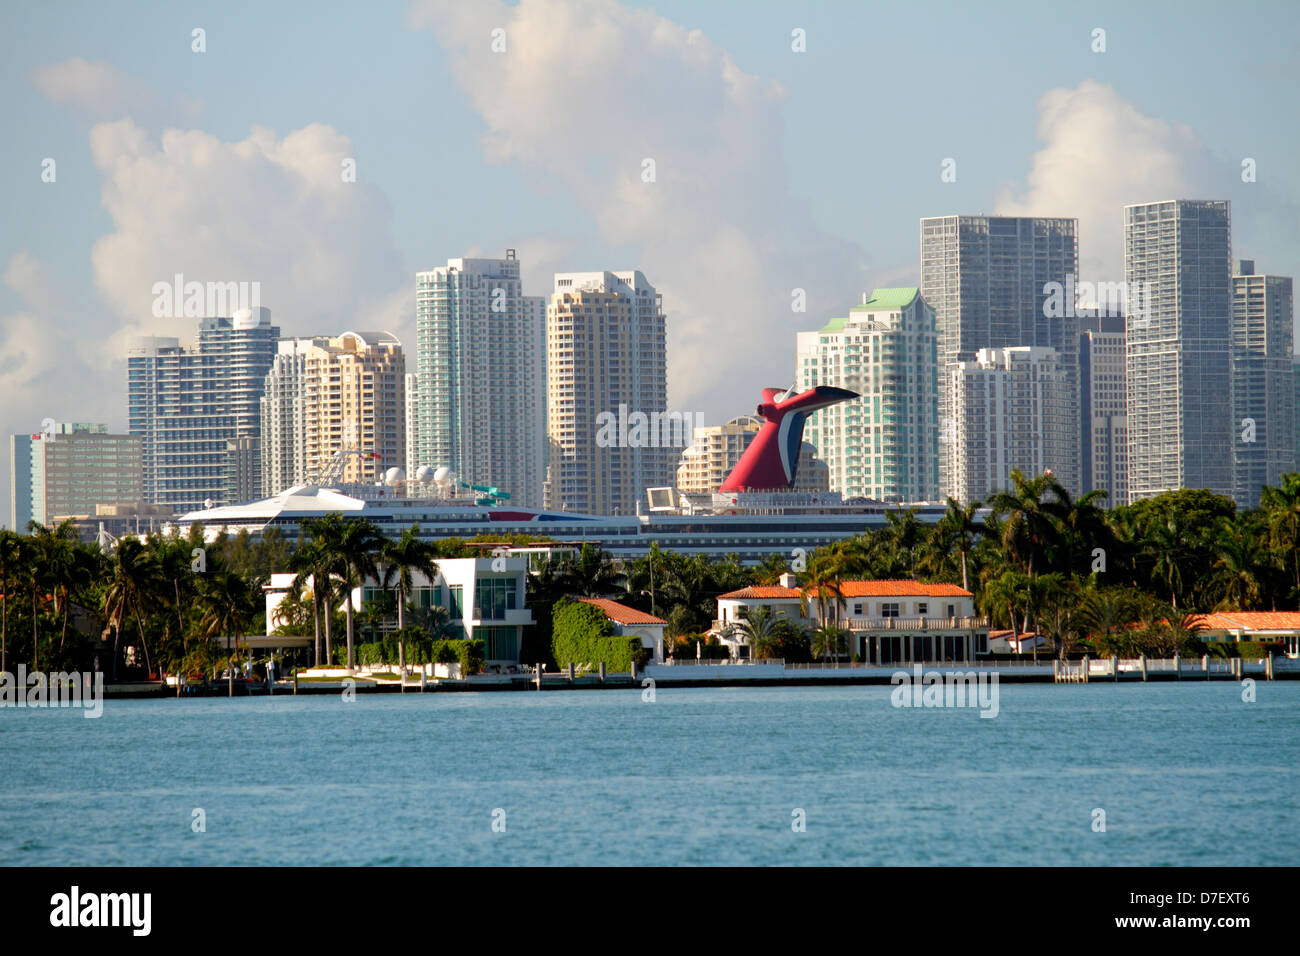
889 610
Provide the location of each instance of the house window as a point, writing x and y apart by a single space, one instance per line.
889 610
952 610
922 608
857 609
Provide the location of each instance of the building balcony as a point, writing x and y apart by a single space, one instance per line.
916 623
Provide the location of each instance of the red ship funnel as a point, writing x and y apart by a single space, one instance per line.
772 458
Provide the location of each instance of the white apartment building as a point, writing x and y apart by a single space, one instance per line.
606 357
481 371
1263 406
1103 439
1177 375
324 395
1012 408
883 444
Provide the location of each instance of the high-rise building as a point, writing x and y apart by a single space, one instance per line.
992 282
1103 433
68 469
884 444
716 449
354 400
1263 403
481 370
284 428
1177 257
189 404
327 395
412 465
1012 408
606 374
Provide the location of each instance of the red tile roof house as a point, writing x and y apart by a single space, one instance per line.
1267 626
891 622
633 623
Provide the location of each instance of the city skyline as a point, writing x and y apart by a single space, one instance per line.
741 171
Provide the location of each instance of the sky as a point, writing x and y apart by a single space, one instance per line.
793 146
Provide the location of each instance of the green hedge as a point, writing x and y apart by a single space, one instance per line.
469 654
581 634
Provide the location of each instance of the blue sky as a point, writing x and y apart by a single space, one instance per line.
776 169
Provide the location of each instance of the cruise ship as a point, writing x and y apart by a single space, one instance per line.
753 514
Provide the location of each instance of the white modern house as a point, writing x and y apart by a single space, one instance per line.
484 598
888 621
633 623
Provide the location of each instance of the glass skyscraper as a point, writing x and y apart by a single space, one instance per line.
1177 374
197 410
990 281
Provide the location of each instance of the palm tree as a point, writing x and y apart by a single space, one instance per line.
824 578
1235 575
133 577
10 560
958 531
310 566
760 630
829 642
1081 523
1102 612
1282 507
353 553
592 573
227 603
768 571
400 559
1028 530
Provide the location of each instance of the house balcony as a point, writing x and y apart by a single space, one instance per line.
857 624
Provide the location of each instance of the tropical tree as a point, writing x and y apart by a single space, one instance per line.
10 561
353 555
1235 577
402 559
133 580
829 642
1281 506
760 630
227 603
958 531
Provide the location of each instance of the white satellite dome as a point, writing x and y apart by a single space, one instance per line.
423 473
208 502
442 474
393 475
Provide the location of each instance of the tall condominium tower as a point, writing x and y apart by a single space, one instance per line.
67 470
992 282
885 443
284 429
481 371
1103 435
1177 256
1263 406
1012 408
606 374
327 395
355 401
190 407
716 449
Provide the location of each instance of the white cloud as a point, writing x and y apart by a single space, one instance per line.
268 210
104 92
583 94
1101 152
